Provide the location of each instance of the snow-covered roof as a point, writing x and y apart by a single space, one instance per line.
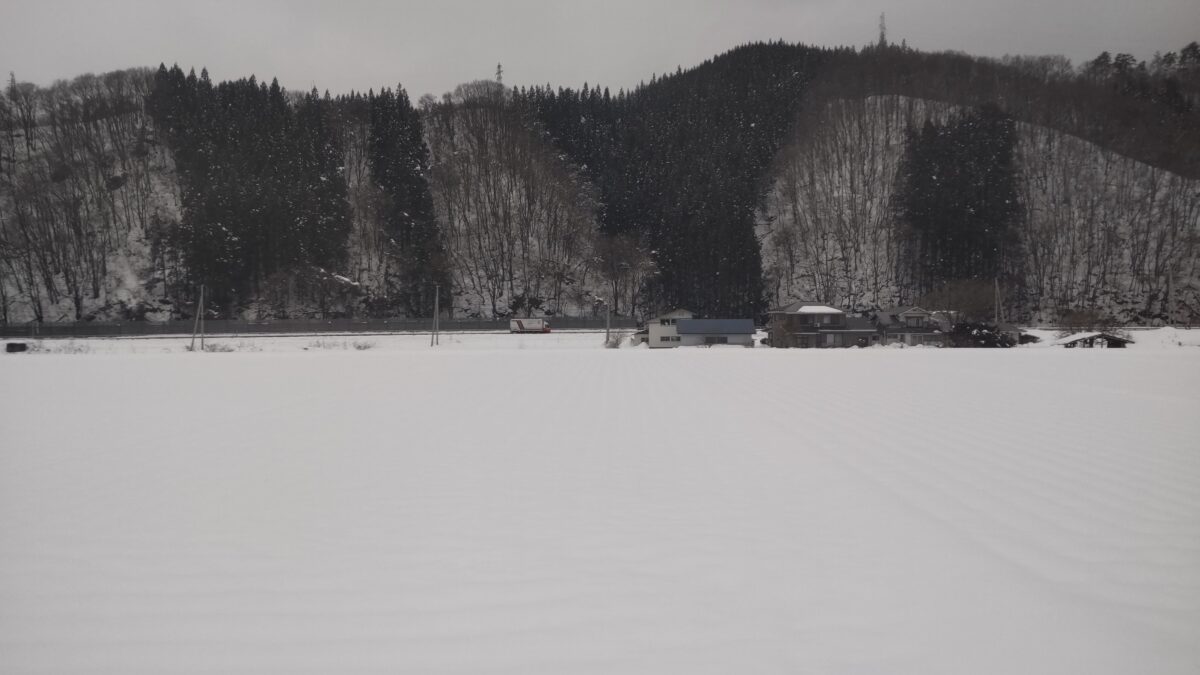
1077 336
805 307
1090 334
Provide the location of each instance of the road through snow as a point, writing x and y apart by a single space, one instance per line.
601 511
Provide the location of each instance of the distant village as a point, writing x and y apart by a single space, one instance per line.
815 325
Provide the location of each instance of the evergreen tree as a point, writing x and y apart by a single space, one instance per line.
957 200
399 162
681 163
264 201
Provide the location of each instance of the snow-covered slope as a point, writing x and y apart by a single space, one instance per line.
496 510
88 200
1097 231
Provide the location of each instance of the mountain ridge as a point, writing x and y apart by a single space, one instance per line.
657 196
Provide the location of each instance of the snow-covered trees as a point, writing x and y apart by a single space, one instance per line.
956 201
680 165
1094 230
766 174
827 224
400 170
83 211
518 222
264 195
1103 232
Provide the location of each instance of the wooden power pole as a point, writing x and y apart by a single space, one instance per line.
198 323
433 333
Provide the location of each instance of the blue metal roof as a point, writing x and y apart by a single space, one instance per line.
715 327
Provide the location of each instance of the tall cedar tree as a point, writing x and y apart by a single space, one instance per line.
262 188
399 162
956 200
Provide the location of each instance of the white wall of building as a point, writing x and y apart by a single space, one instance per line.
662 329
742 339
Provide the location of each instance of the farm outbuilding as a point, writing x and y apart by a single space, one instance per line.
1094 340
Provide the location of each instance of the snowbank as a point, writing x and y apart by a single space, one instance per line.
1143 338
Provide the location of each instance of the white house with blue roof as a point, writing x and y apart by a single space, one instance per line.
680 328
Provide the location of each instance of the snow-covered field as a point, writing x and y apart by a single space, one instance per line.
538 504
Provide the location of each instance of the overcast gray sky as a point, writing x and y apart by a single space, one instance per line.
431 46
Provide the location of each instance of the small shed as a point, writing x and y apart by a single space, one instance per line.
708 332
1094 339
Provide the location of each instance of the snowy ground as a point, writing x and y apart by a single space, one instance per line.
1149 338
328 342
497 507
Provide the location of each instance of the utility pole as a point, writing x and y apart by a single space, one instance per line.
433 334
607 322
996 300
196 323
201 317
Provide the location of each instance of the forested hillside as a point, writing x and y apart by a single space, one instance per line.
87 201
680 164
518 222
1088 228
770 173
1092 204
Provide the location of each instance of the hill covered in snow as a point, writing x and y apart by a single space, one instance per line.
769 173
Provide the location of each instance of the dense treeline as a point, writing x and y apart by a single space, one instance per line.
399 164
956 203
771 172
366 205
1094 229
1113 108
680 164
519 223
263 193
81 200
